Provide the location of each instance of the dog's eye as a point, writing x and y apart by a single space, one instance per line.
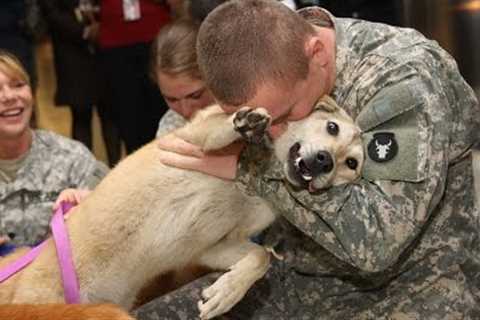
332 128
352 163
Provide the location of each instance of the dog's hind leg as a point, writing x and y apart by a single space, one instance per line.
247 262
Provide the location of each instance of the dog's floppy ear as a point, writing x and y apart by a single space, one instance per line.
326 103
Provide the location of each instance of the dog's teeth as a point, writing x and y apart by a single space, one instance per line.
307 178
297 161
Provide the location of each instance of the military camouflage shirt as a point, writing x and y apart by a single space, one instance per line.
53 163
414 211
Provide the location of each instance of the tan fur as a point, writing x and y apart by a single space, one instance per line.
146 220
63 312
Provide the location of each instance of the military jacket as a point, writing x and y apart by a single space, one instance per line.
414 211
54 163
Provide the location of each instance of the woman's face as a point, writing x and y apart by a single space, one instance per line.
184 94
16 103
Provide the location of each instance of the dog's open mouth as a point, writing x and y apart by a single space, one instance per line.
297 166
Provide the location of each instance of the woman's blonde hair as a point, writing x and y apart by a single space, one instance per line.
174 49
12 67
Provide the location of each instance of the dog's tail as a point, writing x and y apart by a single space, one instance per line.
63 311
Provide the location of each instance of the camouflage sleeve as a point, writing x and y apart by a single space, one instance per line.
86 171
169 122
369 223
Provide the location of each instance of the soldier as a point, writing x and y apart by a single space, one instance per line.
35 165
401 243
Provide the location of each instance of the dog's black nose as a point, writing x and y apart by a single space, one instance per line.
322 162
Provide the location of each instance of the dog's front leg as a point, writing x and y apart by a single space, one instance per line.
214 131
247 262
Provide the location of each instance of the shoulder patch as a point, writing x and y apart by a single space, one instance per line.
382 147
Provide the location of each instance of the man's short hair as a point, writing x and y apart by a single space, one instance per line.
244 44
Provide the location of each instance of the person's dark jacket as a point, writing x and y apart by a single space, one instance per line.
13 36
74 60
385 11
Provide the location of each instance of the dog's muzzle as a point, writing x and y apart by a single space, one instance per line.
304 169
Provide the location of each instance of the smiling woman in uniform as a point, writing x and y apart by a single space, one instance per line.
35 165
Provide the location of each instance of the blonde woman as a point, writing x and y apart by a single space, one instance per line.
175 69
35 165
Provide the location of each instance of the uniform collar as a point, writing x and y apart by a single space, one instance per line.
27 176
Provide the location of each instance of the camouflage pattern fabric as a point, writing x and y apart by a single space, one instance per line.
401 243
54 163
169 122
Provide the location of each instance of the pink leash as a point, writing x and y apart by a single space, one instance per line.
64 254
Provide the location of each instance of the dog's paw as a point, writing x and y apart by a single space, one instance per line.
222 295
251 123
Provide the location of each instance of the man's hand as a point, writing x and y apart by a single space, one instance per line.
90 33
73 196
181 154
4 240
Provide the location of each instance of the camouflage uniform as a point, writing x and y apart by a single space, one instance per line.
169 122
53 163
403 241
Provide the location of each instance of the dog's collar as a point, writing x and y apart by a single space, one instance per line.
64 253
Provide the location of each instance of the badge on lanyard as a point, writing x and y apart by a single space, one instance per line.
131 10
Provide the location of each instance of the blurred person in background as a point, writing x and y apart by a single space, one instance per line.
80 85
385 11
35 165
14 34
127 29
198 10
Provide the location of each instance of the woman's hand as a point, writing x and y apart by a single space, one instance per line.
4 240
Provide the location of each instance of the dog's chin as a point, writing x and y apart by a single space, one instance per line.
320 183
294 179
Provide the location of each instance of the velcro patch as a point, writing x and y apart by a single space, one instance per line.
382 147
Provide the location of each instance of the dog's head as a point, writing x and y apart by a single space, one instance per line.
322 150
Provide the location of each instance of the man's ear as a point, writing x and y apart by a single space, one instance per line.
315 50
326 103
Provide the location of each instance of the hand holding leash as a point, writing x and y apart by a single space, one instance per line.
4 240
73 196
